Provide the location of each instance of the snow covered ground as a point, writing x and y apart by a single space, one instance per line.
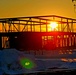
12 62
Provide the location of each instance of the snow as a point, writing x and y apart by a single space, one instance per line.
10 62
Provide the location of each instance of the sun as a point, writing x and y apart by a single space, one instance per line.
53 25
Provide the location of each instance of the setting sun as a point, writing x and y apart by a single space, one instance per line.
53 25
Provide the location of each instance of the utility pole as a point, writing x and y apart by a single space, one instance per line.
74 3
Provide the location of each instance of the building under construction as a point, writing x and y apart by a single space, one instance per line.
36 33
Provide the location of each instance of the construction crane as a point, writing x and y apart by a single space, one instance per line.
74 3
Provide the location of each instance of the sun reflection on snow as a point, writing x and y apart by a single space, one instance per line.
68 60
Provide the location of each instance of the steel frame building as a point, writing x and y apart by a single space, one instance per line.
22 24
64 37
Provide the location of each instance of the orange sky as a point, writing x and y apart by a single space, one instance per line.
17 8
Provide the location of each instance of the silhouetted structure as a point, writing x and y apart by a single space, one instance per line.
34 33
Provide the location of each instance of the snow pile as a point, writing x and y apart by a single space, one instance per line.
10 62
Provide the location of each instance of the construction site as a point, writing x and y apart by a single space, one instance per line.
37 33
